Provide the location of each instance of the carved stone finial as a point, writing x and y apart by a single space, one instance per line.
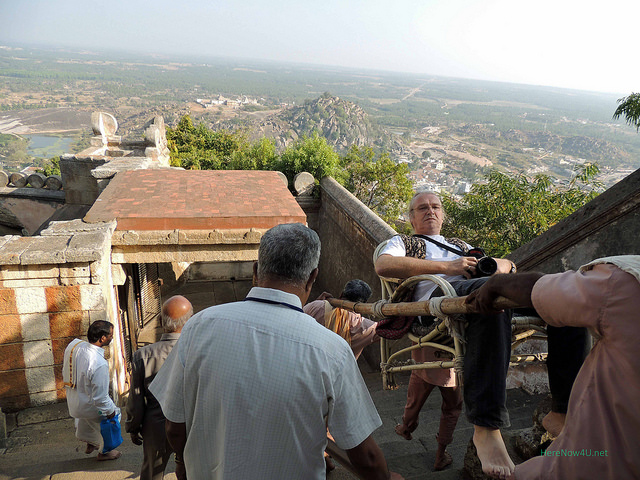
103 124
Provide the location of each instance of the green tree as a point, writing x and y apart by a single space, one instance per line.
378 182
509 211
311 154
51 167
629 108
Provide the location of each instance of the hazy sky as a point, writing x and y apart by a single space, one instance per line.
581 44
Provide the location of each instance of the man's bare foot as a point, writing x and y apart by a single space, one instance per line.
443 460
112 455
90 448
492 452
553 422
403 432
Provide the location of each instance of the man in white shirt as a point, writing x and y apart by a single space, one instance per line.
86 377
251 386
428 252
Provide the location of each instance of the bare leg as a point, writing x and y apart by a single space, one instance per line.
492 452
553 422
443 459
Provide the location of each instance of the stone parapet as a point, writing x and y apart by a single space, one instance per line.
57 245
187 237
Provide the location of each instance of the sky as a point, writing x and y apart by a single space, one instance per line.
577 44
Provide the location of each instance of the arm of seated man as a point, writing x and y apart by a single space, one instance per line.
369 461
404 267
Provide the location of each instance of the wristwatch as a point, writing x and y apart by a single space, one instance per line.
513 267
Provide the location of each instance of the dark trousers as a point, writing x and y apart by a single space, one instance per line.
487 355
568 347
156 454
486 362
417 394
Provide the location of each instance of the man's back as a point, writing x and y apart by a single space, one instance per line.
91 393
259 380
147 361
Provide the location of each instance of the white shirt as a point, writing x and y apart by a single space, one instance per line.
90 399
395 247
255 383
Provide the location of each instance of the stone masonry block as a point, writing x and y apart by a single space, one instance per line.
11 357
31 300
92 297
88 247
15 402
12 250
10 329
45 250
118 275
8 301
58 347
98 272
12 383
30 282
6 238
95 315
22 272
125 237
43 398
75 281
63 298
37 354
41 379
35 326
75 270
67 324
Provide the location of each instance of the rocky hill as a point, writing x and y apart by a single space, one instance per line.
341 122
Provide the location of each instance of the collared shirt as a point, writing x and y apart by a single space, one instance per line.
602 430
256 385
363 330
395 247
90 399
142 407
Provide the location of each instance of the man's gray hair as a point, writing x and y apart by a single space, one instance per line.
422 192
289 251
356 290
170 324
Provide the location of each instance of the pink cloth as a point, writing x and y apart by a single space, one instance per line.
602 429
442 377
363 330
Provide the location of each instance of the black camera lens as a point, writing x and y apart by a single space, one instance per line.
486 267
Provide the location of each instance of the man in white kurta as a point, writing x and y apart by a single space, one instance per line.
256 383
86 375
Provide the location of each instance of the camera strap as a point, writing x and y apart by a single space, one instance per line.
442 245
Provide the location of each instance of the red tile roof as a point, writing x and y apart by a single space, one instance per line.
160 199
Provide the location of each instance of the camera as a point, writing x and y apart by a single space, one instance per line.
486 266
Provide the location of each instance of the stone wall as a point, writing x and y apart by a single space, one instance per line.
51 288
26 209
349 232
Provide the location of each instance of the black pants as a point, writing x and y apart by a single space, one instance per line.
568 347
486 362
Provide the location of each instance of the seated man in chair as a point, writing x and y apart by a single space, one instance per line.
485 401
484 375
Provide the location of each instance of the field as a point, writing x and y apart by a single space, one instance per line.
471 125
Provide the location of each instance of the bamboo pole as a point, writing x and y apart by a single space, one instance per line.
449 305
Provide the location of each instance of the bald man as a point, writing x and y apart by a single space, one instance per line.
145 421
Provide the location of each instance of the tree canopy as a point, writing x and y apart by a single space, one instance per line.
629 108
510 210
378 182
